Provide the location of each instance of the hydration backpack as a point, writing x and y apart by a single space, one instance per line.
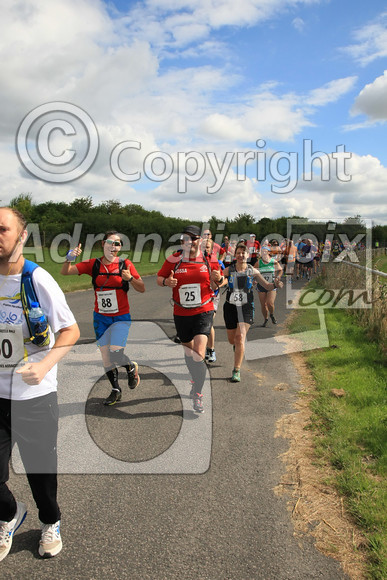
249 278
95 273
28 296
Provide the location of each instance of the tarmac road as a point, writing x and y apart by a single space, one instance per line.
150 490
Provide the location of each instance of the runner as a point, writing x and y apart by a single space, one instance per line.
238 310
28 384
217 251
316 257
308 251
111 277
210 351
270 270
300 255
229 252
275 250
253 247
291 258
188 275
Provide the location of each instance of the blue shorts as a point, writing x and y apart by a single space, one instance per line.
111 329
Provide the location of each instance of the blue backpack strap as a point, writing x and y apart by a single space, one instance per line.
28 295
27 291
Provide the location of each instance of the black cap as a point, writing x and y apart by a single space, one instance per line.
193 231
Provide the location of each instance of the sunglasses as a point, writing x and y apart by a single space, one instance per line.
112 243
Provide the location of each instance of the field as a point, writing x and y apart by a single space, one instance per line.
71 283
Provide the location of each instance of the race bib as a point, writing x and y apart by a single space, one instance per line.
238 298
11 346
107 301
268 276
190 295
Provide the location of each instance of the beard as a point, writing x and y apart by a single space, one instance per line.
11 257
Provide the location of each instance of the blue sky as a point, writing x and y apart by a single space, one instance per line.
204 76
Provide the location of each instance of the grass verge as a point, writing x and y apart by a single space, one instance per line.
349 420
73 283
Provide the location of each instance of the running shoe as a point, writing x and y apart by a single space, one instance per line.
177 339
273 319
133 376
7 529
208 352
198 403
236 376
114 397
265 323
50 543
212 355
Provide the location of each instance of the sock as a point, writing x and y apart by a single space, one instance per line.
112 375
197 371
120 359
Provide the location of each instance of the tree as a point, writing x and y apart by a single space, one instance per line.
82 204
24 204
110 207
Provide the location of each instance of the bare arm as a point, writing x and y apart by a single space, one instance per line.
171 281
68 268
34 373
137 283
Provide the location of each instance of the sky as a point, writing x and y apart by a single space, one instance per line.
197 108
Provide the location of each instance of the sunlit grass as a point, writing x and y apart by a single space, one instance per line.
351 431
144 267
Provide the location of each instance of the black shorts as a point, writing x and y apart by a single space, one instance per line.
189 326
233 314
262 289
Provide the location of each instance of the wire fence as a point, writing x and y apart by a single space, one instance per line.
349 275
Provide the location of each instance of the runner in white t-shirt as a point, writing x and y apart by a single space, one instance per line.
28 385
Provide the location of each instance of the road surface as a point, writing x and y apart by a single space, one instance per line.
148 489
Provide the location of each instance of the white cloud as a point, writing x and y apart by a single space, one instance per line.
131 73
331 92
298 24
372 100
271 115
363 193
371 41
176 23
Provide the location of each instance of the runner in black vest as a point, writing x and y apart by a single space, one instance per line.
238 309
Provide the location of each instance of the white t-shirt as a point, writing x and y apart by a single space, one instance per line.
13 329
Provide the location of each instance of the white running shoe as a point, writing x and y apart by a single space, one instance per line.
50 541
7 529
212 355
